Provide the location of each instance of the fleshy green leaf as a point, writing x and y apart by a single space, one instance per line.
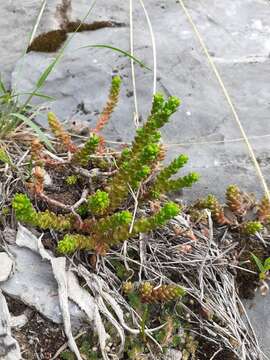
4 157
258 263
267 264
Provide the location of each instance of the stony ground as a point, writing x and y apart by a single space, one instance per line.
237 35
38 338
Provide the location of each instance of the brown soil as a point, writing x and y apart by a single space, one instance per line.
39 338
206 350
60 190
247 282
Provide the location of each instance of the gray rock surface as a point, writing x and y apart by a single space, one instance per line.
9 347
237 35
5 266
16 23
258 312
172 354
33 283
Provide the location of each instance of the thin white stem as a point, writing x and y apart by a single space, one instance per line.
136 113
37 22
153 47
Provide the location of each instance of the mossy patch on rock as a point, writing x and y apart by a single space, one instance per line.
51 41
72 26
48 42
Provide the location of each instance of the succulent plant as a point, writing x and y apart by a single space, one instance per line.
212 203
234 199
104 217
263 212
163 293
251 227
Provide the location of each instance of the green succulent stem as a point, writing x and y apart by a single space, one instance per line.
112 223
102 219
111 103
98 202
26 213
163 185
82 156
166 213
172 168
251 227
116 228
72 242
159 116
130 174
135 163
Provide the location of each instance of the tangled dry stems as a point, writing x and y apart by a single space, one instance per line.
202 263
199 257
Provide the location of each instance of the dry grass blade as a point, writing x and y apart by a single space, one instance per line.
207 279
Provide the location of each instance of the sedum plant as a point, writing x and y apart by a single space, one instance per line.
263 211
106 216
149 293
59 132
163 293
82 156
110 105
234 199
25 212
251 227
212 203
239 203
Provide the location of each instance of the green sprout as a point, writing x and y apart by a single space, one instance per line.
4 157
98 202
82 156
251 227
71 180
263 267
